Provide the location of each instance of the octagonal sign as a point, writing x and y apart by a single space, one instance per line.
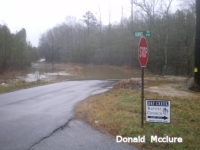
143 52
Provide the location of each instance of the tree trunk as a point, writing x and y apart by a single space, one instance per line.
165 54
52 58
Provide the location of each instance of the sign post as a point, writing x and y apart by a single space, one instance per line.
143 58
142 99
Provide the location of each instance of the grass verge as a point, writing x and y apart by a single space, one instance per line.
20 85
118 112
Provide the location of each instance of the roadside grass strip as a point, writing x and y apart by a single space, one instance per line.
118 112
20 85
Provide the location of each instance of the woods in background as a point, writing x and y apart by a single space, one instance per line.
89 41
15 52
86 41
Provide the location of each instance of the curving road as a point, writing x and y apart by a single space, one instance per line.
40 118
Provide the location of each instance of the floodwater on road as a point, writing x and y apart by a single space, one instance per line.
45 72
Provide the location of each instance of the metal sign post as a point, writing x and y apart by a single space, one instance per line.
143 55
142 99
143 58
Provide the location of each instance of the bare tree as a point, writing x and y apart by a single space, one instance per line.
157 9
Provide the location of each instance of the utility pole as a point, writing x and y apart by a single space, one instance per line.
132 57
109 16
197 45
132 13
122 16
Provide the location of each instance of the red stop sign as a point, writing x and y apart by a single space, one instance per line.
143 52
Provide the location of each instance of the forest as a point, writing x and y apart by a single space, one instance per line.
89 41
15 51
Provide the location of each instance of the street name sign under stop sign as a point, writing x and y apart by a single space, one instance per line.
158 111
143 52
146 33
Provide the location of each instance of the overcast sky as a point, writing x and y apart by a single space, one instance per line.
37 16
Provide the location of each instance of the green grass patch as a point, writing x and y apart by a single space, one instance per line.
19 85
118 112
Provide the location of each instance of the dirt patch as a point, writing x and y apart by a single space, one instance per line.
172 86
165 86
133 83
170 90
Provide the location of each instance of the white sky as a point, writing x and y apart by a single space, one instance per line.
37 16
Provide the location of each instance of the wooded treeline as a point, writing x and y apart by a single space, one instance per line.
15 52
171 44
89 41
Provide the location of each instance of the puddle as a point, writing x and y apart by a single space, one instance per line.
62 73
41 71
32 77
3 84
44 71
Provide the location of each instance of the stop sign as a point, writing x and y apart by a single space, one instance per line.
143 52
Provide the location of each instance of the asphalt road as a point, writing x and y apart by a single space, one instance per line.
40 118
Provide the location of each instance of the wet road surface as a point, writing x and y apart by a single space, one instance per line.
40 118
